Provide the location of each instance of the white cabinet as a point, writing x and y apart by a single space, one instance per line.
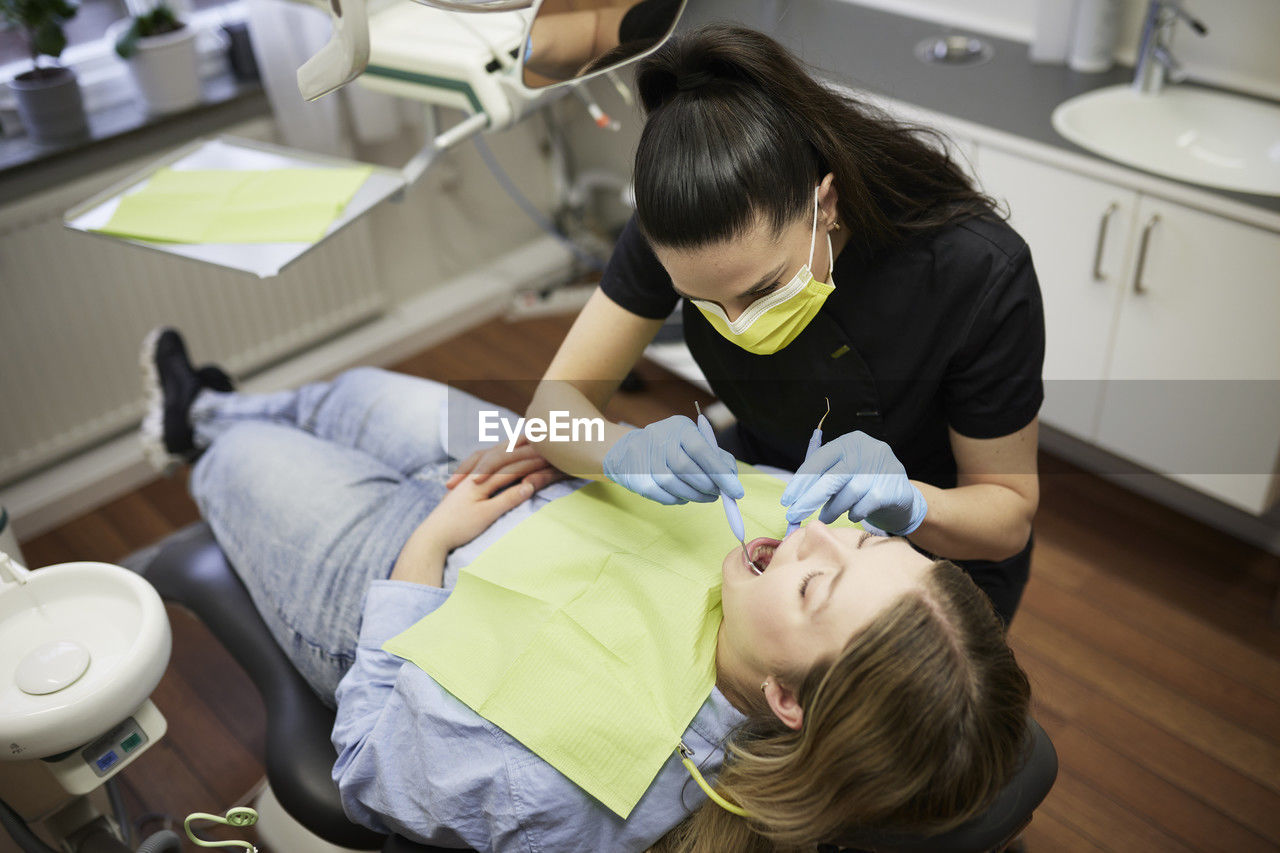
1162 324
1076 228
1194 388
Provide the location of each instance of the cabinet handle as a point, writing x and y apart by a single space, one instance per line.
1138 287
1098 274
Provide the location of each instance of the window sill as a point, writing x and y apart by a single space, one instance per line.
124 131
119 127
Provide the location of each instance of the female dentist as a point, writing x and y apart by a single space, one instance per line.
821 250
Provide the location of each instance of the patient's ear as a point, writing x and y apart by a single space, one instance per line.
782 701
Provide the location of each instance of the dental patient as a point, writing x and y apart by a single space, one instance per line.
854 684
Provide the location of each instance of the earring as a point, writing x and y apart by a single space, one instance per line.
765 686
835 226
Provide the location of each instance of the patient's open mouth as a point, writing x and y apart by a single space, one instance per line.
761 551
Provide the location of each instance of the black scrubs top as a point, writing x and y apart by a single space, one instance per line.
945 330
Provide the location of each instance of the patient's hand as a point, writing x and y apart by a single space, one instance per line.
466 511
483 463
475 502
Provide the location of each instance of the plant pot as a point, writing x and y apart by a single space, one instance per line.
166 68
50 106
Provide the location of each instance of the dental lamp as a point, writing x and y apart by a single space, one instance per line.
440 52
346 54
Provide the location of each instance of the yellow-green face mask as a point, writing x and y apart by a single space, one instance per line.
773 321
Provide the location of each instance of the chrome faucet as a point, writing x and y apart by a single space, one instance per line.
1155 60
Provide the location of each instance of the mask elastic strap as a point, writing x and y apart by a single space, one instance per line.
813 232
831 255
685 756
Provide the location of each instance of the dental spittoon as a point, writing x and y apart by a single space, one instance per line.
815 441
731 510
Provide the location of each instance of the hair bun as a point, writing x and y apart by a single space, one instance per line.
693 80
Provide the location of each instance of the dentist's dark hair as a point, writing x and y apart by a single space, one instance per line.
738 131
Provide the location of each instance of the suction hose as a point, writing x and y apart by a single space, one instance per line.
99 839
164 841
20 832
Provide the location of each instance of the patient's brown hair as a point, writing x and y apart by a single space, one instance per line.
916 726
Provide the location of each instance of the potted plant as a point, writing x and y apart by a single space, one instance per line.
48 96
161 53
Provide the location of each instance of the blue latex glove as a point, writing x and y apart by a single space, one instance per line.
858 475
671 463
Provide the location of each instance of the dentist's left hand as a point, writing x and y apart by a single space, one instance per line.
858 475
671 463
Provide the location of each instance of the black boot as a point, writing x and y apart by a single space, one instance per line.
171 383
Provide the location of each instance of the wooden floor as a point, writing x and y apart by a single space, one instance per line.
1154 664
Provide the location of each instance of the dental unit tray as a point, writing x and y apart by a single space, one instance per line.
433 56
226 152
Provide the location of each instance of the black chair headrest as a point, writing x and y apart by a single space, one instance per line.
1007 816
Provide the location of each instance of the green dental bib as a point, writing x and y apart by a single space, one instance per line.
588 632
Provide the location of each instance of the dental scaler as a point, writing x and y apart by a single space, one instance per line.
731 510
815 441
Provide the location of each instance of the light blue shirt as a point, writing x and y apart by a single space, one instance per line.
415 761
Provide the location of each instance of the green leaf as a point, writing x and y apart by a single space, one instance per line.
30 13
35 15
49 39
163 16
127 43
158 21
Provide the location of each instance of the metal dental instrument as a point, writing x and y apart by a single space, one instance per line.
731 510
815 441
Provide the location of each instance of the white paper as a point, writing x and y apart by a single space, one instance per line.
262 259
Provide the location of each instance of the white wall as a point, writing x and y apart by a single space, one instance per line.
1239 51
457 216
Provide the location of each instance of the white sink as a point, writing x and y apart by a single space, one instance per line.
1205 137
82 645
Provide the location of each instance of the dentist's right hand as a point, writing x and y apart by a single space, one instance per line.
671 463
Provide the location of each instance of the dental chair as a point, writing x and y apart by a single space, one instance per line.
189 568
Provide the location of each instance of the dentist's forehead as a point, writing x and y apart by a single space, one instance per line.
739 265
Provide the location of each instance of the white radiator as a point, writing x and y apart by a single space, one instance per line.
75 307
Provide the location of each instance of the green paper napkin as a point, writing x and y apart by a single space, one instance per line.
588 632
233 206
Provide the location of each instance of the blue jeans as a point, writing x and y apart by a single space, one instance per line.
312 493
